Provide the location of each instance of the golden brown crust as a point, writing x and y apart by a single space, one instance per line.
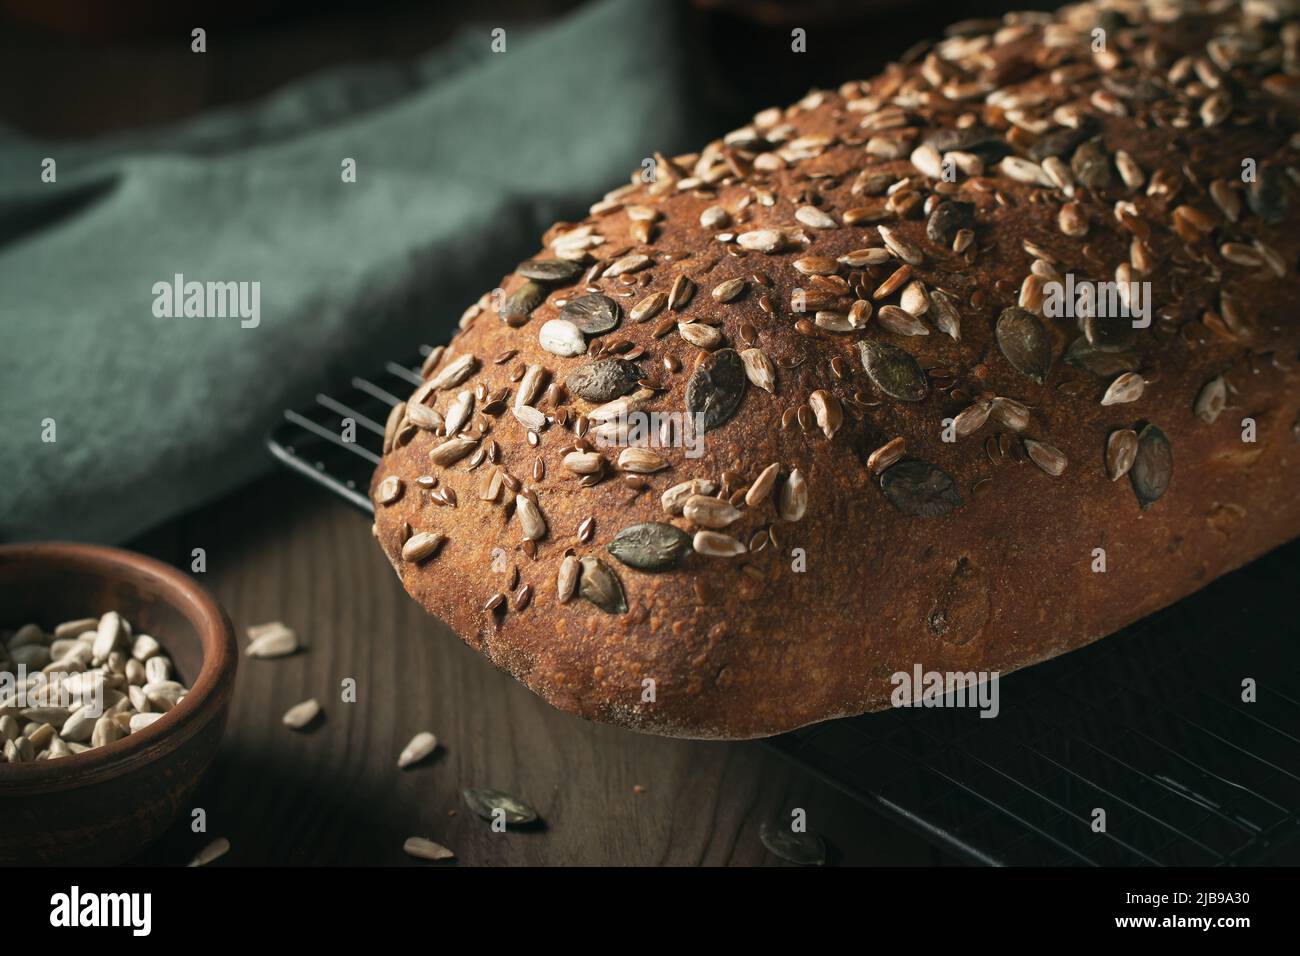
752 644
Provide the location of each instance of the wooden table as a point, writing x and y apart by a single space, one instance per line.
283 549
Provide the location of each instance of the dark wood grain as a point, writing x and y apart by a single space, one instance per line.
284 550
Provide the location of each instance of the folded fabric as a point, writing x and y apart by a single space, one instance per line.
126 397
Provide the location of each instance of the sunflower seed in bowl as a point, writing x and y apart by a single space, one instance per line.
87 695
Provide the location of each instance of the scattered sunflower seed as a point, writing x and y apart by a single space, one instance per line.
1046 457
1121 450
213 851
389 490
943 311
561 337
420 747
761 489
680 293
759 369
533 419
424 849
625 265
1211 400
300 715
452 450
814 218
715 217
1010 413
267 641
886 455
530 516
971 419
599 585
566 580
1128 387
900 247
827 411
674 499
728 290
762 240
584 462
900 321
648 307
640 461
792 502
453 373
421 546
700 335
715 544
709 512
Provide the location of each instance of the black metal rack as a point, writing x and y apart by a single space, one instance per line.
1147 725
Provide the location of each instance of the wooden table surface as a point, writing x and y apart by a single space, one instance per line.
282 549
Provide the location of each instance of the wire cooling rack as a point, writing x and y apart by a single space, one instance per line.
1147 725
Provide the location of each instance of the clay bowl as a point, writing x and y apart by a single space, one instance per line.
106 805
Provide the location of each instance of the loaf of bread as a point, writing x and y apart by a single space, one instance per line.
919 440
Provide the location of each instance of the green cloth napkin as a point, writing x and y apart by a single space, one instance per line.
461 162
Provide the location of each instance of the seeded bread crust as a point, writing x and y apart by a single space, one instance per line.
992 574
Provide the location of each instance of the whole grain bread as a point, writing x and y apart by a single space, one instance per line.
910 456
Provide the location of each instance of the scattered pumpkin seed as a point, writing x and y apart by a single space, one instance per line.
804 849
716 388
549 270
1153 466
593 314
603 380
519 305
894 371
918 488
486 803
651 546
1025 343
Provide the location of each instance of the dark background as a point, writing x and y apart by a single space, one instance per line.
73 69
